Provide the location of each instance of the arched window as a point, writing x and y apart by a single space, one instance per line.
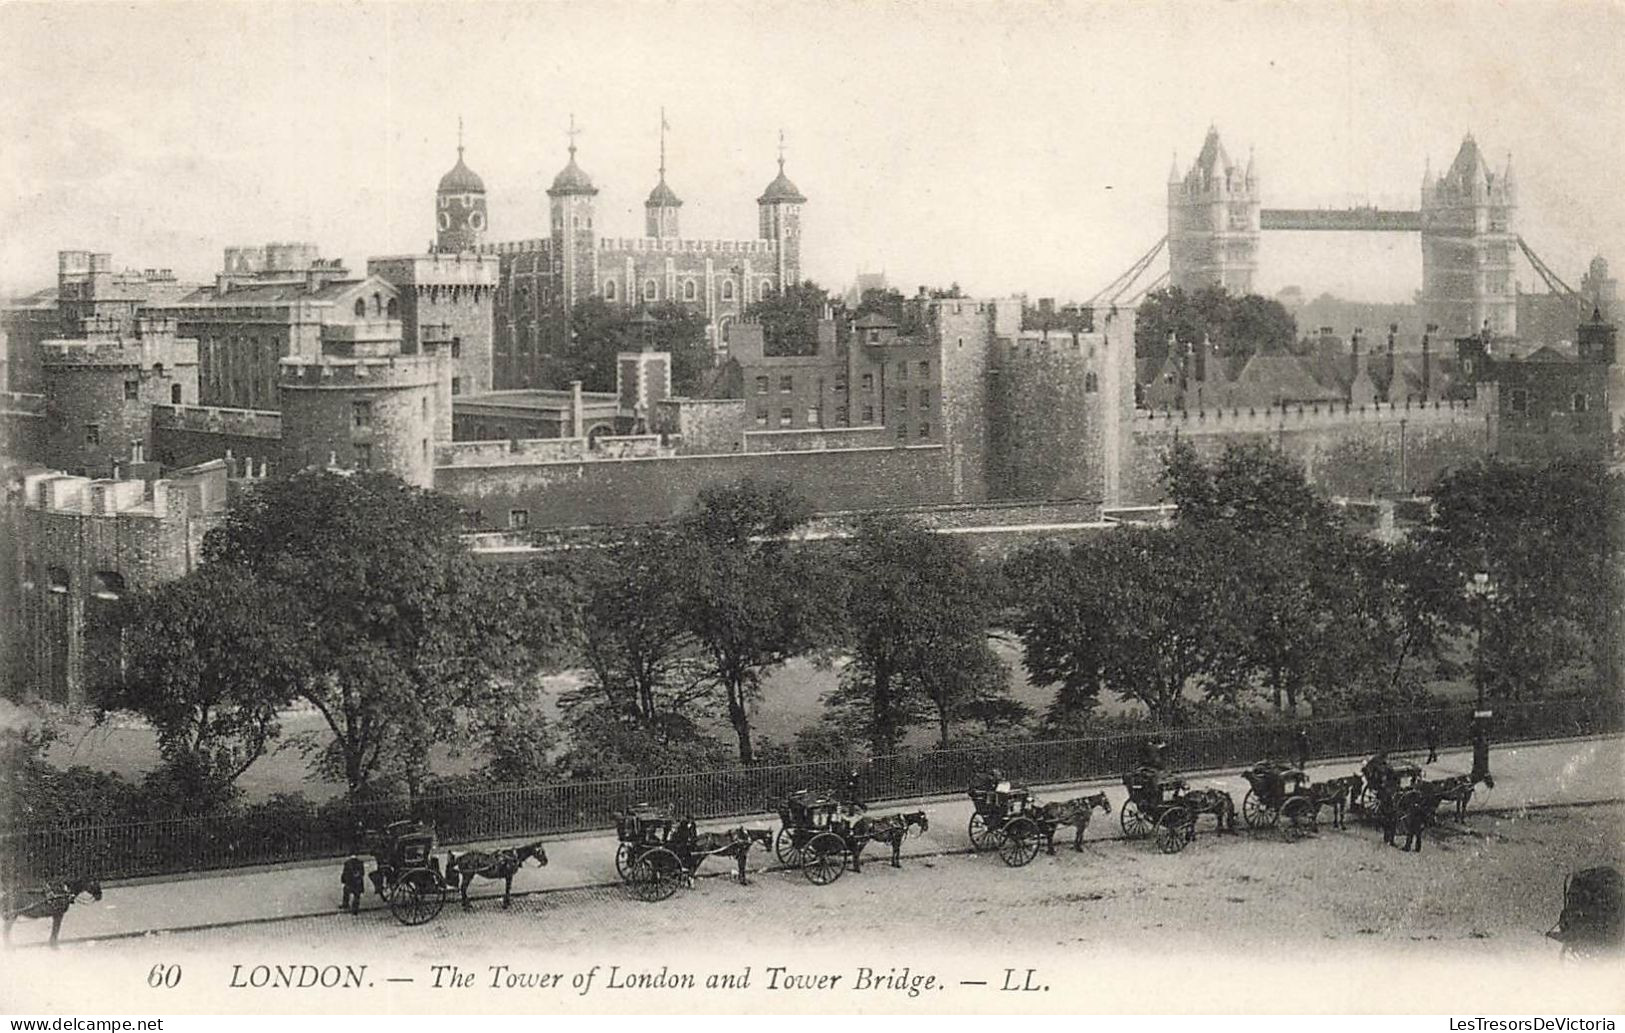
727 290
767 288
1581 402
394 309
691 290
649 290
361 306
174 394
108 584
609 289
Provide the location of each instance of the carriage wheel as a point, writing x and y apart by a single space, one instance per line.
1135 823
623 861
824 859
1174 829
1300 817
1256 813
982 837
1018 842
418 897
655 875
784 847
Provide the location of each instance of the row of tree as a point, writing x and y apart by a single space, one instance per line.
356 597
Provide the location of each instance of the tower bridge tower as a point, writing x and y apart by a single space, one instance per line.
1213 222
1468 241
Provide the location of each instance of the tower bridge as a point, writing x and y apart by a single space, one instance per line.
1465 222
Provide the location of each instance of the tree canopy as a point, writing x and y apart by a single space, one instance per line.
1237 325
405 640
599 330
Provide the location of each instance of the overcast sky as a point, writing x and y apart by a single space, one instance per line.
1005 146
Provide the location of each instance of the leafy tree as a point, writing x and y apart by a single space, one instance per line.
209 661
599 330
790 318
632 630
1253 488
1237 326
404 635
1151 614
749 602
1547 536
917 613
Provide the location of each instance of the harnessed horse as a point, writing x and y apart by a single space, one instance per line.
1074 812
1458 789
502 864
1336 793
1216 802
692 847
891 830
49 901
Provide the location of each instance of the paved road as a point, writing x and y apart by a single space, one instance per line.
1542 774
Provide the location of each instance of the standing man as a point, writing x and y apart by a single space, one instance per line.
1300 747
354 880
1431 732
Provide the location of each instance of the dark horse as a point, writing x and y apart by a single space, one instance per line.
1338 794
891 830
1216 802
1074 812
461 869
1458 790
49 901
692 847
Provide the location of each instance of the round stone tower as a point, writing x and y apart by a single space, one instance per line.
362 412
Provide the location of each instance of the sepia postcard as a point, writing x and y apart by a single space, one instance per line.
561 508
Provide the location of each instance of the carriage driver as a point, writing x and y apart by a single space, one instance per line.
1153 754
354 880
851 798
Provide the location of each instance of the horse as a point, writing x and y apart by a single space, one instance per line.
1074 812
1336 793
890 830
1216 802
1458 789
693 847
461 869
48 901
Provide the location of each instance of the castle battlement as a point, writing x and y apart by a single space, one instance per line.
518 247
330 371
81 496
104 350
440 269
248 423
721 247
1291 417
531 451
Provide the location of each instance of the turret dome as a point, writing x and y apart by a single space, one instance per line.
461 179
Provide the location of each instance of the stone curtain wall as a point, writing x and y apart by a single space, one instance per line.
563 494
190 434
1350 451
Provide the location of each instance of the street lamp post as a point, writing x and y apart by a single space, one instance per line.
1481 590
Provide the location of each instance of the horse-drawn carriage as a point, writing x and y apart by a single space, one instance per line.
407 876
813 836
645 858
1277 791
1156 802
1590 923
1004 819
1385 780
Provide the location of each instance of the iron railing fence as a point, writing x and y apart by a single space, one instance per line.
267 834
